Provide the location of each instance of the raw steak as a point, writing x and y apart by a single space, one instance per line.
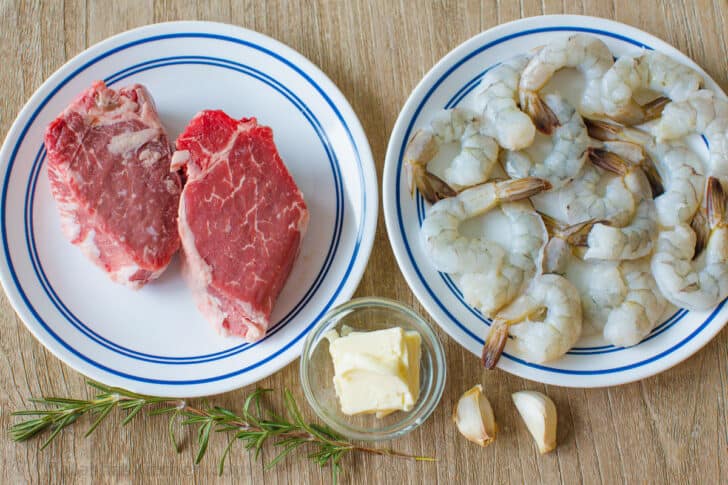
241 220
108 165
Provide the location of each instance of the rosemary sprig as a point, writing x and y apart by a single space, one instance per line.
254 426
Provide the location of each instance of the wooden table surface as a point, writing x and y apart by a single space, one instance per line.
667 429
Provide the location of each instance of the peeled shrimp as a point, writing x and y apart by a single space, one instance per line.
452 252
544 322
641 307
704 113
629 242
586 53
687 276
496 287
679 168
652 70
497 98
636 238
584 198
619 299
570 143
477 158
682 172
563 255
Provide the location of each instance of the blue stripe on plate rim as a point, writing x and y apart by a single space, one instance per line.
114 347
155 38
456 98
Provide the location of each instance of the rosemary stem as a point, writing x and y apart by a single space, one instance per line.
253 427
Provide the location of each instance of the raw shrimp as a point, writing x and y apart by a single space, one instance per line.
452 252
682 172
477 158
687 276
497 97
422 148
494 288
570 143
586 53
619 299
634 239
679 167
563 255
641 307
652 70
629 242
544 322
582 198
704 113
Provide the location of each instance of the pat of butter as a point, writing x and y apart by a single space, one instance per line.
376 372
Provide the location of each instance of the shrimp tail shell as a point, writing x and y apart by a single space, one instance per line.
606 160
715 203
543 117
699 225
653 109
432 187
603 130
653 176
518 189
495 342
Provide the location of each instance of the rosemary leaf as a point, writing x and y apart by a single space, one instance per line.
203 438
170 432
132 413
225 453
105 412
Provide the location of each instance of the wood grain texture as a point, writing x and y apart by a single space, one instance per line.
667 429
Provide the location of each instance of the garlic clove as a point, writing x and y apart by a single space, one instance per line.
539 413
474 417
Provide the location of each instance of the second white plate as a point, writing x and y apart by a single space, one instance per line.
446 86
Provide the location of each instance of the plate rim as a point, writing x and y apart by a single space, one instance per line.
438 72
367 215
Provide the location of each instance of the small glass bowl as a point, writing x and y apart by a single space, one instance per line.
317 369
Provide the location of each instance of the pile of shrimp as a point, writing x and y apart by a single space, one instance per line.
619 195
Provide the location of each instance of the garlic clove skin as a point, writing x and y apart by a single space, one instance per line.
474 417
539 413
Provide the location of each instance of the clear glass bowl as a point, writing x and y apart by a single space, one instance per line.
317 369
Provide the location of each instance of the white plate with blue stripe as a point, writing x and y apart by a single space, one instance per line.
154 340
592 363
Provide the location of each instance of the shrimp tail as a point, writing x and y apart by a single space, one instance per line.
607 131
575 235
420 150
518 189
603 130
609 161
495 342
606 158
432 187
553 227
653 177
716 203
699 225
543 117
654 108
578 234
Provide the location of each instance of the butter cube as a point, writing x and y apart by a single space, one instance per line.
376 372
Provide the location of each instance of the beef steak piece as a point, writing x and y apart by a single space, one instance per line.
108 165
241 220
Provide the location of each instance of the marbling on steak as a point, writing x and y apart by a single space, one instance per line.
241 220
108 165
